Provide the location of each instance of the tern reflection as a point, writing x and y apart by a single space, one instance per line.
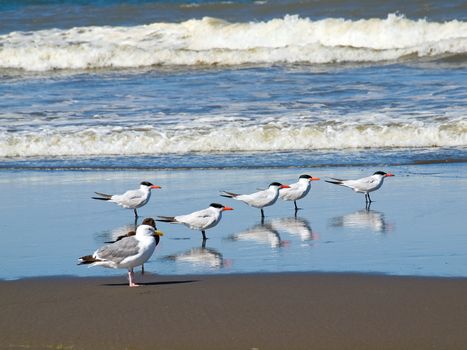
201 257
363 219
294 226
112 235
263 233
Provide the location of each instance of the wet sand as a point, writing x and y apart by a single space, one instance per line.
257 311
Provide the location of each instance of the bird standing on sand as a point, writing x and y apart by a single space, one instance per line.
260 199
297 190
201 220
364 185
127 252
131 199
147 221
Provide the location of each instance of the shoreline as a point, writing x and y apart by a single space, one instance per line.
4 164
238 311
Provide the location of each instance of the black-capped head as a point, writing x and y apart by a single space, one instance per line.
278 185
220 206
216 205
305 177
382 173
149 221
150 185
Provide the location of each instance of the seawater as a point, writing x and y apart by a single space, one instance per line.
416 225
190 84
117 92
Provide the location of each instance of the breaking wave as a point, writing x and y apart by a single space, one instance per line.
211 41
101 141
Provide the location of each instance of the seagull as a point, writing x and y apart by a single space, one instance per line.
364 185
131 199
199 220
127 252
147 221
260 199
297 190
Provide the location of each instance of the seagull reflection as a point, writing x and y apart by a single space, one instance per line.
295 226
201 257
262 233
363 219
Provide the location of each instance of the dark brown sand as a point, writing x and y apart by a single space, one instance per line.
271 311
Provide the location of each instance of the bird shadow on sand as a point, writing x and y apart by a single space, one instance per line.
161 283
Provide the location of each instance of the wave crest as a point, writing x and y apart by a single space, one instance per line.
211 41
121 141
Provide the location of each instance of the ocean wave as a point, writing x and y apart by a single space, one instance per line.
211 41
101 141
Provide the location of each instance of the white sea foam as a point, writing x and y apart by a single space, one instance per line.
213 41
101 141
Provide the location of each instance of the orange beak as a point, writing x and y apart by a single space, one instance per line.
155 186
314 178
284 186
227 208
389 174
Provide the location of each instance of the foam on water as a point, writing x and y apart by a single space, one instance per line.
211 41
101 141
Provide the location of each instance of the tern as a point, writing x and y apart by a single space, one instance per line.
127 252
260 199
201 220
297 190
131 199
147 221
365 185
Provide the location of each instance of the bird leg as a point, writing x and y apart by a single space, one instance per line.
136 213
262 213
369 199
204 235
142 269
130 278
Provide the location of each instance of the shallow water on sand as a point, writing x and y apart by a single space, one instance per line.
416 225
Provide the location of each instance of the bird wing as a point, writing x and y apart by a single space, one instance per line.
119 250
198 220
131 198
293 192
257 199
363 184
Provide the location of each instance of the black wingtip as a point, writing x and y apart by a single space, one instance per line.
100 198
166 219
334 182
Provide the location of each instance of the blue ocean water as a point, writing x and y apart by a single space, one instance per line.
109 90
159 84
416 225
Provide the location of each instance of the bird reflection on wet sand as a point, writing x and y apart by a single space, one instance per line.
363 219
263 233
202 257
295 226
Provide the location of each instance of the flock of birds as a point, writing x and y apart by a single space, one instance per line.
136 247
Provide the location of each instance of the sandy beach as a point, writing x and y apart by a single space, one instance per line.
257 311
